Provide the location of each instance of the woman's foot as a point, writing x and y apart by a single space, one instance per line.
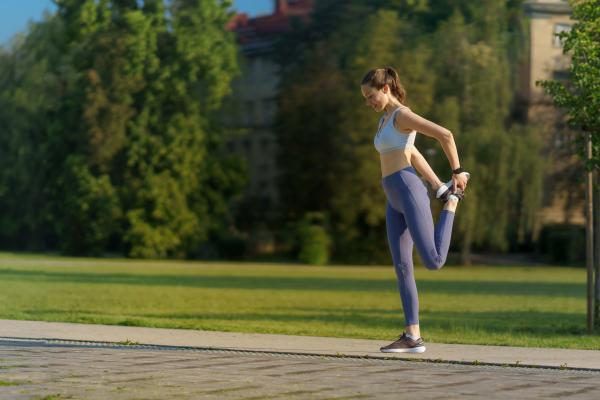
458 196
444 192
404 344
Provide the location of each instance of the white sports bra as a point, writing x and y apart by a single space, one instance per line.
389 138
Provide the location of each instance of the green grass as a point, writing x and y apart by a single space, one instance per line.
13 383
513 306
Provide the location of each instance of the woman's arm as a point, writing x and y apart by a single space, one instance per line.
407 119
418 161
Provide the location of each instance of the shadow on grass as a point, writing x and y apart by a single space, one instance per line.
538 324
553 289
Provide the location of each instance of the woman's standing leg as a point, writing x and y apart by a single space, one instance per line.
401 246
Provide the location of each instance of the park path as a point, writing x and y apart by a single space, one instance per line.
306 345
48 360
44 370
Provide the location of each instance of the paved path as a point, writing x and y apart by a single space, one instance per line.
39 369
588 359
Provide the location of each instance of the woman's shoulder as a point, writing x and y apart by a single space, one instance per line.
402 113
403 110
403 119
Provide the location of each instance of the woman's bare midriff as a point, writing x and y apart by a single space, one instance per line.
394 161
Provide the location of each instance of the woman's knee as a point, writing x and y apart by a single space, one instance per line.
433 262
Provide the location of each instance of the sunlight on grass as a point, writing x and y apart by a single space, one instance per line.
515 306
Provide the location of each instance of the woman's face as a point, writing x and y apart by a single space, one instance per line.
376 98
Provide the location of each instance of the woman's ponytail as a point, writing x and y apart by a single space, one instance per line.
396 87
378 78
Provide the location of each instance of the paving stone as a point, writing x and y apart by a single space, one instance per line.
40 370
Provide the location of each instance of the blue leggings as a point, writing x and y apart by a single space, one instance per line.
408 220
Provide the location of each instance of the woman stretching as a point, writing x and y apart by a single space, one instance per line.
408 212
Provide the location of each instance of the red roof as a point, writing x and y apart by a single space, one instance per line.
269 25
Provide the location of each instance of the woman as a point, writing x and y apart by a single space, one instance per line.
408 212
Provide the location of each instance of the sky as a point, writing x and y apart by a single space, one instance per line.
14 14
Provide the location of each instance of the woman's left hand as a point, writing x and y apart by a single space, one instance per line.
459 180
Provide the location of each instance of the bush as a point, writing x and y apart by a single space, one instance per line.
231 247
560 244
313 240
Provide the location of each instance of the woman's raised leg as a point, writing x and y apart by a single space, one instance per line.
432 244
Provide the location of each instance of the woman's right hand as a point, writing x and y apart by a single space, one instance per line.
459 180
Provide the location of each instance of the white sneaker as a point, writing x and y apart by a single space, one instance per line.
444 193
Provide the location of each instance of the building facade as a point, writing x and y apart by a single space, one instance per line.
563 196
257 91
256 95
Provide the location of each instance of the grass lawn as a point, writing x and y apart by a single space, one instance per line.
513 306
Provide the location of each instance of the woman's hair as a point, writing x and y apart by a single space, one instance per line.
378 78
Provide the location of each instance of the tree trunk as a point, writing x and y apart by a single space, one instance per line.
597 254
589 239
465 254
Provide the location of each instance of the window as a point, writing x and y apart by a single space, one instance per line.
247 145
267 70
558 28
559 142
561 75
252 71
247 72
268 110
264 144
263 189
249 113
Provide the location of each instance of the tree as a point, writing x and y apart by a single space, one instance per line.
582 101
31 84
474 99
133 150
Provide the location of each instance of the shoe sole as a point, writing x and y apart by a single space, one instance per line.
420 349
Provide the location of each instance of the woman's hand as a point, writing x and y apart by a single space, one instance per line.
459 180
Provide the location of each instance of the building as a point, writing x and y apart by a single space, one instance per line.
562 215
563 197
256 91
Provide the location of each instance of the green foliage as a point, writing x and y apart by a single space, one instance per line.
582 99
131 146
455 60
562 246
30 88
474 100
313 240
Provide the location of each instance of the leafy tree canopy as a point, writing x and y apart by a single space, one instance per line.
130 148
